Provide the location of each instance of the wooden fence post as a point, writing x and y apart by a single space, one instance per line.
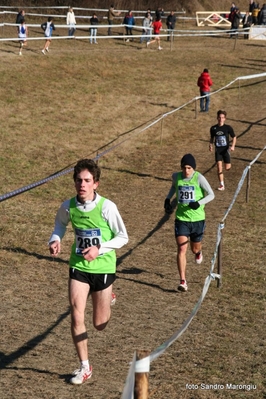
141 390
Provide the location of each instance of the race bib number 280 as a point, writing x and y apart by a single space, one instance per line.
87 238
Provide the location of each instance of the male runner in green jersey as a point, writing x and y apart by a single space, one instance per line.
192 193
99 230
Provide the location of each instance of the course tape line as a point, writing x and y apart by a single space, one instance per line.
128 390
241 181
47 179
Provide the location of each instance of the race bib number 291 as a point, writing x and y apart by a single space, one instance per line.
186 194
87 238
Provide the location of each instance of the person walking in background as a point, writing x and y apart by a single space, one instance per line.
204 83
192 192
220 134
129 21
99 230
110 17
71 22
94 21
170 23
48 28
157 26
146 32
247 21
22 34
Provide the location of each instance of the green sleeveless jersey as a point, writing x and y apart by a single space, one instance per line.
188 191
90 230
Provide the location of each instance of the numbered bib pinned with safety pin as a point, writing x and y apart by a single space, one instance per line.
186 194
87 238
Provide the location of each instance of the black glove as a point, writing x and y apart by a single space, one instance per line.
167 206
194 205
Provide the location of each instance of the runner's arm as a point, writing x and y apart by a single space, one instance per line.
203 183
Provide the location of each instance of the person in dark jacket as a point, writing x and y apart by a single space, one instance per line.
94 21
262 15
204 83
20 17
235 23
170 23
247 21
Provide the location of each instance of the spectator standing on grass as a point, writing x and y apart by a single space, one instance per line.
94 21
99 230
111 15
255 13
20 17
149 11
235 23
246 21
71 22
252 5
192 192
157 26
146 32
48 28
232 12
170 23
22 34
204 83
159 13
262 15
220 135
129 21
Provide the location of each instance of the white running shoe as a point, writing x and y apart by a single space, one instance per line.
47 49
199 258
43 52
182 286
160 48
221 188
81 375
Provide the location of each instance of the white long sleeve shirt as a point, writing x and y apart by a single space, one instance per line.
71 20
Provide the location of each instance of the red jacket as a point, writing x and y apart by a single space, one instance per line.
204 81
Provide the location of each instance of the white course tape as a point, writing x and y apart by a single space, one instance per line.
143 365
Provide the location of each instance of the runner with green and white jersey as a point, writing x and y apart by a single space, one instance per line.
98 231
192 192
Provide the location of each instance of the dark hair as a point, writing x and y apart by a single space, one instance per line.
91 166
205 70
50 19
220 112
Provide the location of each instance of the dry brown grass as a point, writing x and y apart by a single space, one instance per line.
80 100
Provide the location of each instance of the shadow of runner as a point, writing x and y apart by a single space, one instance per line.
5 360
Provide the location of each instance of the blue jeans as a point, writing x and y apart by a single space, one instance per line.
93 35
205 101
110 22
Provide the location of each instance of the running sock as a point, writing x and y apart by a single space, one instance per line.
85 363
